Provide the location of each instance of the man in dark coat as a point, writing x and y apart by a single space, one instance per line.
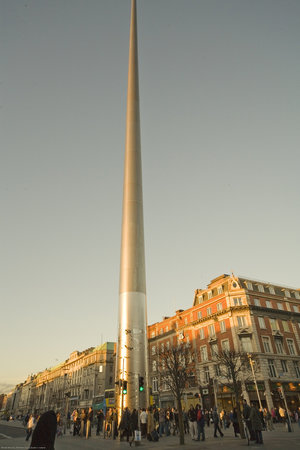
45 431
256 424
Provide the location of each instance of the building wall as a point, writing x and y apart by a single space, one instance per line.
227 313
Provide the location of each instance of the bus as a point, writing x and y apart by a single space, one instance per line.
109 396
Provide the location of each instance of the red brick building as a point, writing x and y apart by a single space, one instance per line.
260 318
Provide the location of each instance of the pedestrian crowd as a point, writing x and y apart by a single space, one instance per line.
154 423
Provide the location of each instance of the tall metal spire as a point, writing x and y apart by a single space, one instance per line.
132 340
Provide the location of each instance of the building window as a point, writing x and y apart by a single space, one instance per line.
153 334
256 302
200 298
284 366
199 314
296 368
153 350
211 330
268 304
261 322
203 353
209 295
154 365
237 301
285 326
271 290
225 345
274 324
297 295
185 320
241 321
219 307
220 289
280 306
266 344
272 371
246 344
296 308
214 350
162 348
155 385
167 328
291 347
208 311
206 374
287 293
279 346
201 333
260 288
249 285
161 331
222 326
217 370
168 345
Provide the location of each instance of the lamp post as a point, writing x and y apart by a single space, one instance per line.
254 378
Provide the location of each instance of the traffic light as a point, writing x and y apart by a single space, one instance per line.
141 384
124 390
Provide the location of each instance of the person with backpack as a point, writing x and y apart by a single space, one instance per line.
200 424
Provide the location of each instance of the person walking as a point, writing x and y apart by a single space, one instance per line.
30 426
216 421
200 424
161 418
143 421
82 422
256 424
100 420
268 420
192 415
45 431
235 422
89 420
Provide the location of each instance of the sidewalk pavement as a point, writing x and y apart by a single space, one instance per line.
278 439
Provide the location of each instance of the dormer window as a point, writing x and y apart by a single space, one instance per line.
260 288
271 290
220 290
200 298
209 295
297 295
287 293
249 285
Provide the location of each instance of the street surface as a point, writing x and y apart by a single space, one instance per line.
279 439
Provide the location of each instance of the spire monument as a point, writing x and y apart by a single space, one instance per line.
132 360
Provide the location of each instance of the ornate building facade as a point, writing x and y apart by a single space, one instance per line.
78 382
244 315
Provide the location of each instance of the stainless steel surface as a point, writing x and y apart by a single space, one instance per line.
132 341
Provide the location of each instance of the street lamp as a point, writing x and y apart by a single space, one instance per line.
254 378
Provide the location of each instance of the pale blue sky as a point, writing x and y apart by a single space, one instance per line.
219 91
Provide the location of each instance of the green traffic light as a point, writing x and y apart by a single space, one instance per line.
141 388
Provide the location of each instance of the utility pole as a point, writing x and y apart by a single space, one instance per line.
254 378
